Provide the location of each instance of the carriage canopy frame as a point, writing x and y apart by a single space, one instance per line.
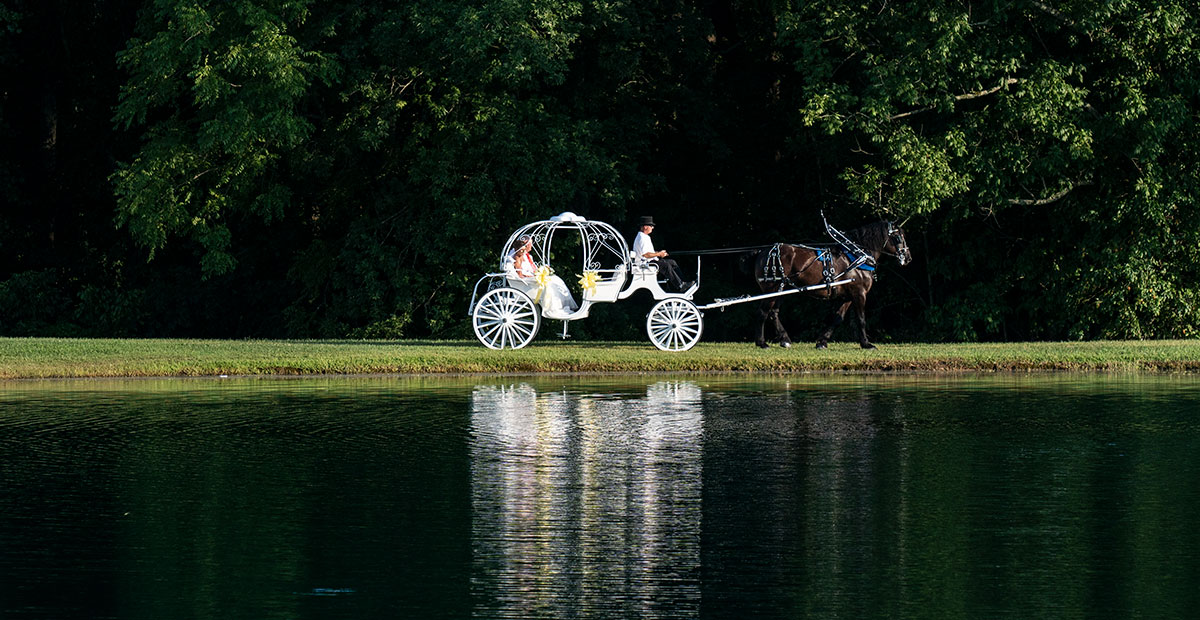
599 240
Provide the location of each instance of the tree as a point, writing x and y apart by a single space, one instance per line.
349 168
1034 142
219 89
388 142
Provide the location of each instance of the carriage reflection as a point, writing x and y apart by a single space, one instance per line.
597 496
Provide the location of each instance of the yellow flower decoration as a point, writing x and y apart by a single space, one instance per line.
543 279
587 282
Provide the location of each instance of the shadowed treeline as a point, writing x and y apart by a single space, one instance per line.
271 168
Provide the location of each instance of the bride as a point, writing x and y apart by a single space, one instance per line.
555 299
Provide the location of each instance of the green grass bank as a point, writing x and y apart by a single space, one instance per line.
25 358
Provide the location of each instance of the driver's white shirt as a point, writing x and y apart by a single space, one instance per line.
642 245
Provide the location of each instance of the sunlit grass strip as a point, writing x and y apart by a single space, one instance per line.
44 358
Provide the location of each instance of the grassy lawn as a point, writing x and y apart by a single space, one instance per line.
50 357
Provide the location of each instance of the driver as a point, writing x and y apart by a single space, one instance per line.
644 248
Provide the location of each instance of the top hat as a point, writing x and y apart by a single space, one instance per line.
647 220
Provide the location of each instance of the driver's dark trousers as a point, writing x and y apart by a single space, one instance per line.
670 269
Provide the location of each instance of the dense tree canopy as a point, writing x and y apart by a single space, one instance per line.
348 168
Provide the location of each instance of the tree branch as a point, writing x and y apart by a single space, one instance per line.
983 93
1051 11
963 97
896 117
1038 202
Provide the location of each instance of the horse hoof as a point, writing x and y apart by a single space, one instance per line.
762 345
786 345
822 345
867 346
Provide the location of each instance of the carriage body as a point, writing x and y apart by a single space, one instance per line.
507 311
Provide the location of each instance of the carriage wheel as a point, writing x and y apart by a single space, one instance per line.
674 324
506 317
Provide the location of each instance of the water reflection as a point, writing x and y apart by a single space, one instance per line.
586 504
909 497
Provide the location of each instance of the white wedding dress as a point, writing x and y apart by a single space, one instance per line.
555 299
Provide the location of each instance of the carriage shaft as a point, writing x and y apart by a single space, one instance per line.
721 303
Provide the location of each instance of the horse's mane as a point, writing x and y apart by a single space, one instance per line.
873 236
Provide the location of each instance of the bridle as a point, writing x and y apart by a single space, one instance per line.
896 237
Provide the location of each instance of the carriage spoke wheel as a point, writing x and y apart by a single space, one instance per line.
674 325
505 318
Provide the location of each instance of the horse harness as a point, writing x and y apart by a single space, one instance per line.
773 270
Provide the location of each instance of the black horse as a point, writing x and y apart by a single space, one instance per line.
795 266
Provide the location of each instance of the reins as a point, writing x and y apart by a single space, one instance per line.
859 256
741 250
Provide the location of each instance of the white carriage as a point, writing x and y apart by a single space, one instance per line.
507 308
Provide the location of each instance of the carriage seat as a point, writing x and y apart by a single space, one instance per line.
528 286
609 283
642 268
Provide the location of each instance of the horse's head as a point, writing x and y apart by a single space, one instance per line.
897 245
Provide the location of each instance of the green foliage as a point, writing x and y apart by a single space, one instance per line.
218 88
456 124
112 311
1067 127
390 328
50 303
940 102
349 168
33 303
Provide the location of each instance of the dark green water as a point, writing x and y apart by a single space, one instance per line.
987 497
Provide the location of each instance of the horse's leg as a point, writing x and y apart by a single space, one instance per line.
835 319
785 341
764 311
860 311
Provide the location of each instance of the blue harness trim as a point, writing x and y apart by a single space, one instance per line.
864 266
825 257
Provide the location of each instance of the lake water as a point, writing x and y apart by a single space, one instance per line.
1005 496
